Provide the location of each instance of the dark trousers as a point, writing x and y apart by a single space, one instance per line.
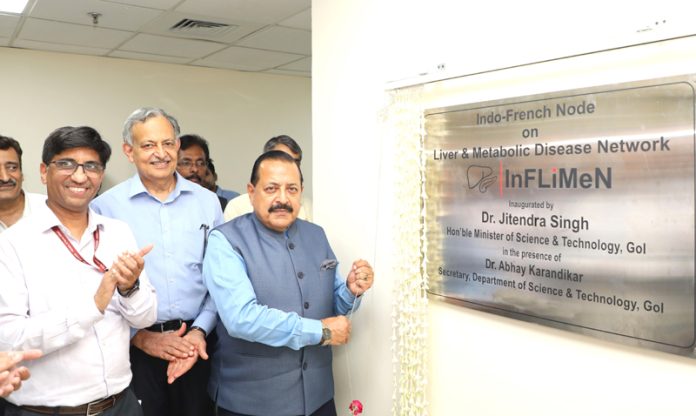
327 409
126 406
187 396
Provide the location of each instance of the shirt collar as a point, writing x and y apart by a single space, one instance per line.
182 186
45 219
25 212
27 205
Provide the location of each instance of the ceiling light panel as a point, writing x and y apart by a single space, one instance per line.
13 6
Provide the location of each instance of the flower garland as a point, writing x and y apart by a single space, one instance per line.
409 311
355 408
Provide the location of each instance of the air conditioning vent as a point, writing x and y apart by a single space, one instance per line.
193 27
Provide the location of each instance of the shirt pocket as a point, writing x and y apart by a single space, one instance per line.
192 249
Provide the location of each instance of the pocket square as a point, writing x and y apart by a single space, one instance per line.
328 264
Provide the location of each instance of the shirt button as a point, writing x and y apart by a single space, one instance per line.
291 246
300 275
304 366
306 305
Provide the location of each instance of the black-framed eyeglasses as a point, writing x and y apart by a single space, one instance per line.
185 163
69 166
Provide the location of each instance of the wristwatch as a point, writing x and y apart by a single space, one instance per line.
128 293
325 336
198 328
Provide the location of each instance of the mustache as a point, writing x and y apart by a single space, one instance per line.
279 206
8 182
194 176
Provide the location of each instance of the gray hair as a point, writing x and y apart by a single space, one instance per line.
140 116
287 141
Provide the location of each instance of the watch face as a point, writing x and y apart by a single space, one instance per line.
325 334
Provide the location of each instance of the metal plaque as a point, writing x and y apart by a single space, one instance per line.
572 209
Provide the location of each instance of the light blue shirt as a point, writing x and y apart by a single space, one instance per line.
178 228
225 275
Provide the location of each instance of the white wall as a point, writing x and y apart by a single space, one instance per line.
479 364
235 111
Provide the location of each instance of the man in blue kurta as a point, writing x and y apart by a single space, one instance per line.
175 215
281 301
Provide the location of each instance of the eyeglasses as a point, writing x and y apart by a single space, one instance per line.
69 166
189 163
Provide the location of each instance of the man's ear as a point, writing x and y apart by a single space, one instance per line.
44 171
128 151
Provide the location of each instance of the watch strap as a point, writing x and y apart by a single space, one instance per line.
198 328
129 292
325 336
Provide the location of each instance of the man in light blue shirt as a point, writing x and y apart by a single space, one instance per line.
281 301
164 209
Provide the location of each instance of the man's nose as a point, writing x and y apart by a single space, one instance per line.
4 173
80 174
159 151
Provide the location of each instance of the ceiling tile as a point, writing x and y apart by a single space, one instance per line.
113 15
304 65
259 11
247 59
153 4
291 73
71 34
149 57
281 39
302 20
161 45
8 24
58 47
263 35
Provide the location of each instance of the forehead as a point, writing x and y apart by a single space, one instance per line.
279 171
9 155
156 128
80 154
193 151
